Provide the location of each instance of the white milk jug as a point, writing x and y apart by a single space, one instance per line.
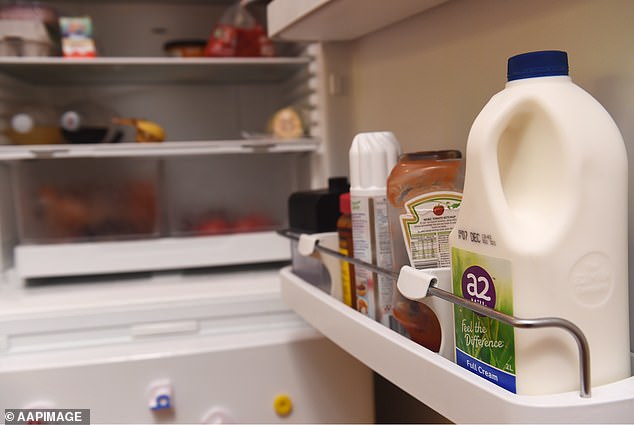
542 232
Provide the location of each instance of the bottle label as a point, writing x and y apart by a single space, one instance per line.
426 227
484 346
346 281
371 243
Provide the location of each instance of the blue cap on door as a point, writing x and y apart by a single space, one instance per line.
537 64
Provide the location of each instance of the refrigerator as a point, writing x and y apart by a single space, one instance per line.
140 281
135 310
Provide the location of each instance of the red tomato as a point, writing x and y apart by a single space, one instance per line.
253 223
213 226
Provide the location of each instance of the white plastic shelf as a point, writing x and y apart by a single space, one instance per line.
88 258
117 313
329 20
173 148
440 383
150 70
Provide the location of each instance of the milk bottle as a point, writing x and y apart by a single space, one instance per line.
542 232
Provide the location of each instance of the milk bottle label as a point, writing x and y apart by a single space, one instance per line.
484 346
426 227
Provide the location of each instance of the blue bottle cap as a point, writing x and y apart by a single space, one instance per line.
537 64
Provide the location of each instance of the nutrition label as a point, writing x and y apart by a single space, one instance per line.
427 225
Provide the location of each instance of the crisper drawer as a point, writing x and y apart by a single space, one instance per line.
83 216
87 200
226 194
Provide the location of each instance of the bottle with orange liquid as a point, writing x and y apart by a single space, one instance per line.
424 193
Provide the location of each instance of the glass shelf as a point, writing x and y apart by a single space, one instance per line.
149 70
176 148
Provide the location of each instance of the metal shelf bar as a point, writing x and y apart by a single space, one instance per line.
585 390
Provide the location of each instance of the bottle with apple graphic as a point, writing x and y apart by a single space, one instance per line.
424 195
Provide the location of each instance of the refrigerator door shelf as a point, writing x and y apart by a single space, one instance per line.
440 383
89 258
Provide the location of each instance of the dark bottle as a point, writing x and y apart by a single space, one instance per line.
315 211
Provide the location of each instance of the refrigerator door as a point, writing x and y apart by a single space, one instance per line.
439 382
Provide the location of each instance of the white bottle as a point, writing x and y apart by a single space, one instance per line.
29 123
372 157
542 232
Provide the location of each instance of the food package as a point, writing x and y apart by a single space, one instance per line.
77 41
28 28
24 38
286 123
185 48
238 34
146 131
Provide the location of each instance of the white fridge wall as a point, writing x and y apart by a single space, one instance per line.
242 376
427 77
221 340
241 380
142 27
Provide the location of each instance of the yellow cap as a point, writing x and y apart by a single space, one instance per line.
283 405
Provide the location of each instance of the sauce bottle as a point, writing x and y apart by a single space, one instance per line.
424 195
344 229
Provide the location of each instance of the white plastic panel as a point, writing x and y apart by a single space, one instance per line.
213 340
328 20
87 258
127 308
240 375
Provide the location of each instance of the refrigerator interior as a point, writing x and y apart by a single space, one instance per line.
219 172
424 78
